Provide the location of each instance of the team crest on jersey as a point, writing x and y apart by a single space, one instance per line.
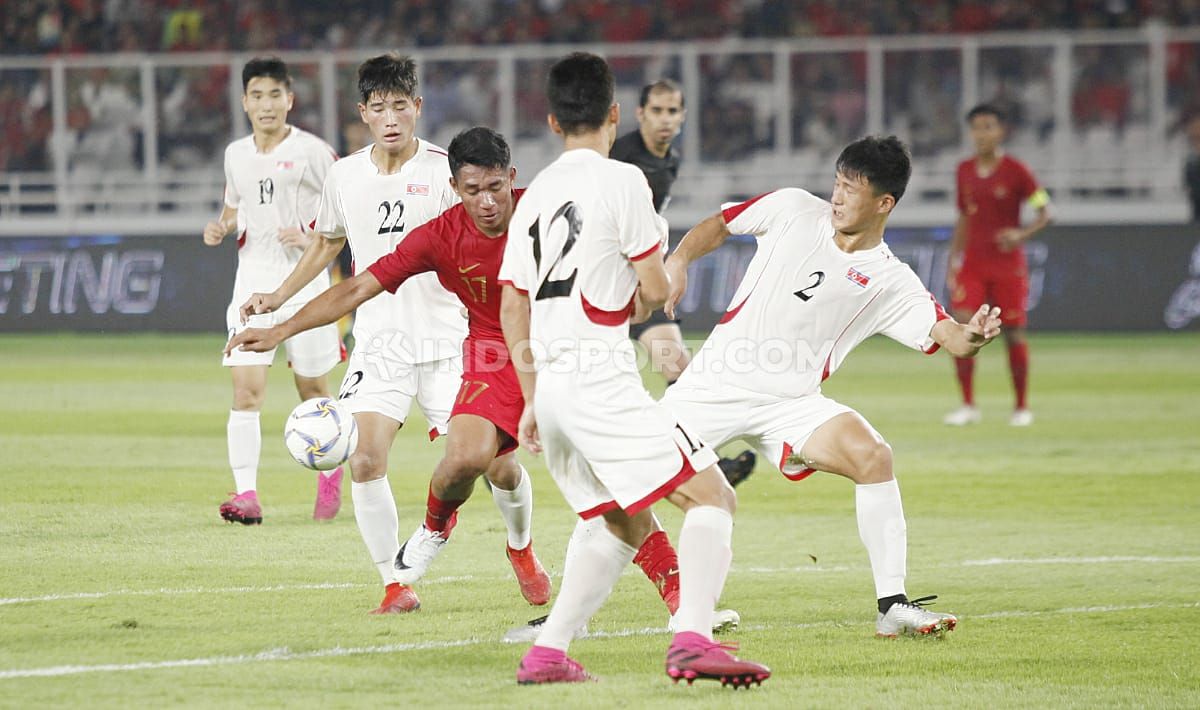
858 277
415 189
285 165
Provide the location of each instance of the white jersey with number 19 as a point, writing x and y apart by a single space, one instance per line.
271 191
804 304
572 241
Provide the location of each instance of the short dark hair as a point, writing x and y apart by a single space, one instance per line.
667 85
389 73
270 67
479 146
883 162
580 90
987 110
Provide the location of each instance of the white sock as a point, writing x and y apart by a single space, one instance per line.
705 552
882 529
516 507
584 530
375 511
245 444
595 562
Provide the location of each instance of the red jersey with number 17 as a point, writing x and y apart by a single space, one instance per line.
467 263
991 203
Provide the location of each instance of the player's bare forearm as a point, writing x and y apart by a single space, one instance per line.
966 339
333 304
653 283
316 258
701 239
514 319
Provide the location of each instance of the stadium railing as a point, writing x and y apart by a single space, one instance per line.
134 142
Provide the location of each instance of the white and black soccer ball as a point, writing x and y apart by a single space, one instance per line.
320 433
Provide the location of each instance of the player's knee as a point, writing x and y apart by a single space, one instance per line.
312 388
367 466
247 399
463 465
727 498
505 473
874 462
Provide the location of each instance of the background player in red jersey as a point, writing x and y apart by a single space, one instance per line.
464 247
987 257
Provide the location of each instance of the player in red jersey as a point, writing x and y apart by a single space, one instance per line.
987 259
464 247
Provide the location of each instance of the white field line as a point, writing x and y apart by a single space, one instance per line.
212 590
283 654
806 569
1076 560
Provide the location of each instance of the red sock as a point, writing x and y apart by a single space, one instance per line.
1018 362
658 560
441 515
965 367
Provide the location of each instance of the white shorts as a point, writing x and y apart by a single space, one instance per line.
310 354
609 445
388 387
777 428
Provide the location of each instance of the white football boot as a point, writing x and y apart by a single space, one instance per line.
909 618
964 415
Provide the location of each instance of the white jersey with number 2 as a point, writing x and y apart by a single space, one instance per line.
804 304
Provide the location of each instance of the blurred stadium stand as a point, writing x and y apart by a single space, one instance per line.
114 114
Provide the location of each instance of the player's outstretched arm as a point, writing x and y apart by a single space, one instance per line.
514 319
216 231
700 240
316 259
966 339
326 308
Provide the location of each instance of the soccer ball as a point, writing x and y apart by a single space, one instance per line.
320 433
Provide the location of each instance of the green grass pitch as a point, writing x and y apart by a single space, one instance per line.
1070 550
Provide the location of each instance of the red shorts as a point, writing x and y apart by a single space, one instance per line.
490 389
1003 287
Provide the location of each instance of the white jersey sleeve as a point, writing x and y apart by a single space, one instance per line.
640 229
518 267
771 212
320 158
909 314
232 198
330 220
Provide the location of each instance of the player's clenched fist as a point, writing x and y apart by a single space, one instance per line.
258 304
214 233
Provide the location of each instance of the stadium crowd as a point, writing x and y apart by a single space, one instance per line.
80 26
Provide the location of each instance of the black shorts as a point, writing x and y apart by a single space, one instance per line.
659 317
